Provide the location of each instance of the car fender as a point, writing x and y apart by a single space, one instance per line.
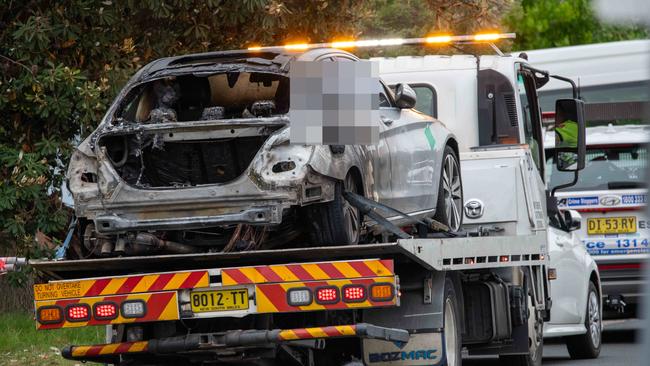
336 166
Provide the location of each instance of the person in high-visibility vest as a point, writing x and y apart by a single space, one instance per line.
568 133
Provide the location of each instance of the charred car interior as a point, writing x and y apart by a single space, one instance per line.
178 159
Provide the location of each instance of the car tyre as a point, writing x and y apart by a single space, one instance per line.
336 222
449 208
587 345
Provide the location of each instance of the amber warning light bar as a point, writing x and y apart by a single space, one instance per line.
438 39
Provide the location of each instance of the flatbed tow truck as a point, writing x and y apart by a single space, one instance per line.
412 301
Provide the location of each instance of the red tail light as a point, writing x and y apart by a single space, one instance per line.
77 313
327 295
354 293
105 311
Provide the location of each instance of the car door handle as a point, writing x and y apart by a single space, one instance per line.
386 121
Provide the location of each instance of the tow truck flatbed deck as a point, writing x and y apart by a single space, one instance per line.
432 254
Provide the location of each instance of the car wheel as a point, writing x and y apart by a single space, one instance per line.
449 209
452 337
535 341
336 222
588 345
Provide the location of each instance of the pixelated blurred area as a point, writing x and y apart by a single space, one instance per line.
334 103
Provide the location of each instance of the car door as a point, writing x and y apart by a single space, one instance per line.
569 290
375 159
411 143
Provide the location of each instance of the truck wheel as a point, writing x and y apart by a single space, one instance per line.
336 222
535 341
449 209
588 345
451 336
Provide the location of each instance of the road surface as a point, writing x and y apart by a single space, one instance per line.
619 348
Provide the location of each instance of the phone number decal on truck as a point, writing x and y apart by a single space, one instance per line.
618 246
631 199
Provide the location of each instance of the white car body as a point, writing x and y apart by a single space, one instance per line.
619 256
575 268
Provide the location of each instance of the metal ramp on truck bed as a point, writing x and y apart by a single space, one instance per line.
433 254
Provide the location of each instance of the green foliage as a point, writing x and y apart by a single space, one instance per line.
420 18
23 344
62 63
557 23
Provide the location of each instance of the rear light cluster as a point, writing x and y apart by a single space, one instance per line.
326 295
83 312
77 313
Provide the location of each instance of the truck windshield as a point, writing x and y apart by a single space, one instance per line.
607 168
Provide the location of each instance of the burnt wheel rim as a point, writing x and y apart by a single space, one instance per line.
350 213
453 193
593 318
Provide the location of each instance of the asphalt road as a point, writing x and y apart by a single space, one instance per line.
619 348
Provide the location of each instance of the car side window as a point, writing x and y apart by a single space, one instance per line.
385 100
427 99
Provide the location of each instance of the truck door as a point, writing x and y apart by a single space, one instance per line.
531 118
530 123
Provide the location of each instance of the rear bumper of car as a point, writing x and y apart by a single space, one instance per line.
622 278
266 214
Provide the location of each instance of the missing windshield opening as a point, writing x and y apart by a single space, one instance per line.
189 98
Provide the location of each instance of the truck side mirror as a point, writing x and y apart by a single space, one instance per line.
570 144
405 96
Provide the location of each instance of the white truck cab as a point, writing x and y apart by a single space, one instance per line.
501 145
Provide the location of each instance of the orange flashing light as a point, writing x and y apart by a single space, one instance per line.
438 39
344 44
482 37
297 46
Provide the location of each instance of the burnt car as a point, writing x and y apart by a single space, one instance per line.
194 155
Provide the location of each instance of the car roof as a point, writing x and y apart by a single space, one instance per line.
279 55
609 135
